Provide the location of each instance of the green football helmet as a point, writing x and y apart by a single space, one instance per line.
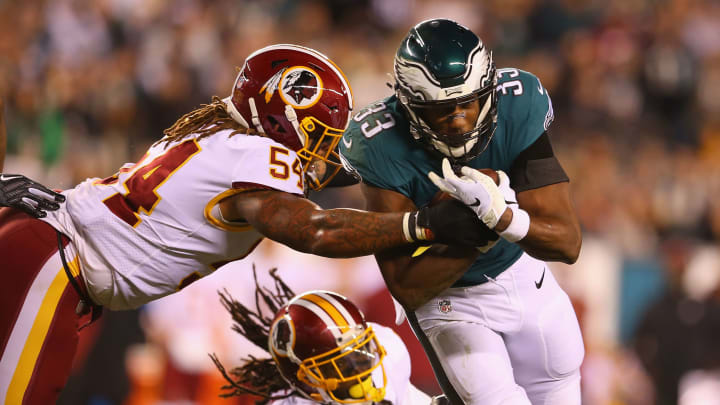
441 65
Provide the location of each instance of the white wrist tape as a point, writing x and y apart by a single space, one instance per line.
412 231
406 227
519 225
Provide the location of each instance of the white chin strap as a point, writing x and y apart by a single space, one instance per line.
235 114
255 116
292 117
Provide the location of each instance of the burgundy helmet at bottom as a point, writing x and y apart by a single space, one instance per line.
326 351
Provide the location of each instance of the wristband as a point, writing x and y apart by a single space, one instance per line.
412 231
519 225
406 226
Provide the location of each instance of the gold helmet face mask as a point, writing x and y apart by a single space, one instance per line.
347 371
319 156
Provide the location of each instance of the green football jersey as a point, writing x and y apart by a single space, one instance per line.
378 146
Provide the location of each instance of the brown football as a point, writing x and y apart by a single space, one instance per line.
441 195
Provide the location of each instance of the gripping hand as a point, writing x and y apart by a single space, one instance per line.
476 190
19 192
449 222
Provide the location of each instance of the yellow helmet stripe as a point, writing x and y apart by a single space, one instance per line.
321 301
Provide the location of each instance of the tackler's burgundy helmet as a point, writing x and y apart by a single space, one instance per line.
297 97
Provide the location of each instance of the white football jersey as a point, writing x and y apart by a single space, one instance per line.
155 227
399 390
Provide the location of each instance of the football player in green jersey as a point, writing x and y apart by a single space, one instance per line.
494 322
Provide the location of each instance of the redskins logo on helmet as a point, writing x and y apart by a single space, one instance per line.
300 87
309 113
326 351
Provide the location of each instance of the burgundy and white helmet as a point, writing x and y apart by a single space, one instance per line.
297 97
326 351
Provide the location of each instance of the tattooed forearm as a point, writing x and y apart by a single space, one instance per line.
302 225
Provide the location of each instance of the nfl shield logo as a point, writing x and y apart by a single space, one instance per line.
444 306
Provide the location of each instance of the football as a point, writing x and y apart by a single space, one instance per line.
441 195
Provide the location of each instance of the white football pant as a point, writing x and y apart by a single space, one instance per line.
505 342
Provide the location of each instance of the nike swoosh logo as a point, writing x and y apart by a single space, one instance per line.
538 284
346 143
6 178
475 204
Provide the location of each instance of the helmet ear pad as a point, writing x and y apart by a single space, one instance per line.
321 343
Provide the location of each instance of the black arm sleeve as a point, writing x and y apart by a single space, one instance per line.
536 167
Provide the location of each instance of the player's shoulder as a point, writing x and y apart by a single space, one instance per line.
380 124
256 160
377 144
245 149
510 73
391 341
523 100
241 142
518 87
382 331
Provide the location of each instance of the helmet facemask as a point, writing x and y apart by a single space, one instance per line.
320 160
458 146
344 375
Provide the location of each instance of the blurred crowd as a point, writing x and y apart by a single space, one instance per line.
635 86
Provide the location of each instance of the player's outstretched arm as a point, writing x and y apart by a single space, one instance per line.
415 280
304 226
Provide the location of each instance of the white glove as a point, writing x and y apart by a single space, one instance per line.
504 186
476 190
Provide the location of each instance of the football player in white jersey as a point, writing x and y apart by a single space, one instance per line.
223 177
323 351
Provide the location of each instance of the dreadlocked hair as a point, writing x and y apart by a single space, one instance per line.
203 122
258 377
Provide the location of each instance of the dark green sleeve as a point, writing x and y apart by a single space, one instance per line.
533 162
540 112
532 112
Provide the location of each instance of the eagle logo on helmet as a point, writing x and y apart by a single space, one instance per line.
300 87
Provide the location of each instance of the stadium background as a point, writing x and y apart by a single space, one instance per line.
635 86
